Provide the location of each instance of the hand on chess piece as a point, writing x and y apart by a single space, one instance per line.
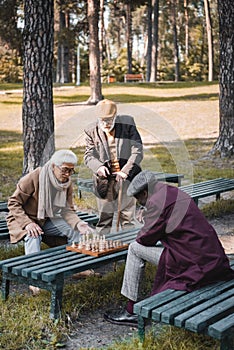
84 228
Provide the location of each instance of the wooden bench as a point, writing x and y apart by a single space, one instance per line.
209 188
3 206
133 77
209 311
90 218
87 184
48 268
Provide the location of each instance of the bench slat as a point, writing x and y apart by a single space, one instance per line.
181 319
168 312
199 322
221 328
93 262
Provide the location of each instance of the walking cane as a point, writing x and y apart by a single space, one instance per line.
119 204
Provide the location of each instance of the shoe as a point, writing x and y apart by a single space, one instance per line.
34 290
85 274
122 318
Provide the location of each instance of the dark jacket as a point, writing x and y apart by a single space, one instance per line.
193 255
128 146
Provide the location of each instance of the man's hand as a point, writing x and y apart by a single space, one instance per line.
103 171
34 230
120 175
84 228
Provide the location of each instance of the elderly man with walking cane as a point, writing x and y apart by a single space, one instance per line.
113 152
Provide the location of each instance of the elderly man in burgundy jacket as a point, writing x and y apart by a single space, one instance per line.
192 255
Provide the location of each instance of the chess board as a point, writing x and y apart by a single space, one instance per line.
105 251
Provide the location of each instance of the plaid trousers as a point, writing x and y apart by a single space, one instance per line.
134 268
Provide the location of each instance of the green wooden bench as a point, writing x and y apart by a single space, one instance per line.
49 268
209 311
209 188
3 206
87 184
90 218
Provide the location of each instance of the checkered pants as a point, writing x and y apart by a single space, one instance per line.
134 269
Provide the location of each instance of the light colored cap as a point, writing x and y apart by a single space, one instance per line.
145 179
106 109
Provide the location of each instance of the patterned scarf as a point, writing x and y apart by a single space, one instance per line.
47 180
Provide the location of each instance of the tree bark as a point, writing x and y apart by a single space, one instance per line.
175 37
149 35
38 116
209 39
154 63
129 35
225 142
94 53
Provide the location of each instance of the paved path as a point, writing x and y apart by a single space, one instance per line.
157 122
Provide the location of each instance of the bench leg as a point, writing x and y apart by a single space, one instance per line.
218 196
56 300
227 343
141 328
5 287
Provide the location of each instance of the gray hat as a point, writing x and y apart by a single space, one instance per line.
144 180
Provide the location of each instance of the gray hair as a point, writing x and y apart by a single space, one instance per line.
145 180
63 156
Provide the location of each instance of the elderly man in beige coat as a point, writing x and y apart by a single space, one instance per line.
42 205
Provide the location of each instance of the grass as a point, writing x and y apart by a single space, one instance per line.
34 330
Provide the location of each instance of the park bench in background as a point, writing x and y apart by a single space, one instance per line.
208 188
133 77
209 310
48 268
86 185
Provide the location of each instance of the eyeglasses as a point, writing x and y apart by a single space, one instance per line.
106 120
65 170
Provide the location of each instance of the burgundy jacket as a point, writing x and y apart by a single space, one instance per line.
193 255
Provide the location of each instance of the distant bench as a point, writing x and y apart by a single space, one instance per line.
133 77
208 188
90 218
209 311
48 268
87 184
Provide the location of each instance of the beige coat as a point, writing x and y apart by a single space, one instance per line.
23 205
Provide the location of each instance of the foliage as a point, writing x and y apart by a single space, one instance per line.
10 67
118 66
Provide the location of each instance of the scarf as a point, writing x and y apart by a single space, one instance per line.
48 181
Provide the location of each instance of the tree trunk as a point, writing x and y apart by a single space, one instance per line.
129 35
38 116
94 53
62 74
149 35
154 63
186 17
176 49
225 142
209 39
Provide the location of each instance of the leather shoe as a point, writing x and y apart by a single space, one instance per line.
122 318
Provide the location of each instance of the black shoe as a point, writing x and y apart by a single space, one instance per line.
122 318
